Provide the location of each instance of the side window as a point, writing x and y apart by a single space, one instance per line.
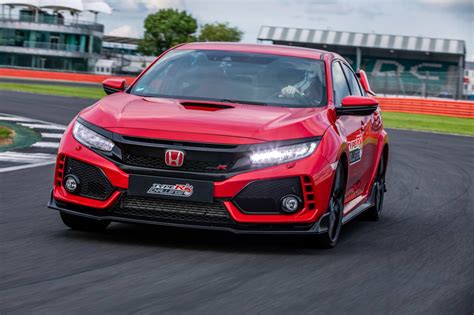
352 80
341 89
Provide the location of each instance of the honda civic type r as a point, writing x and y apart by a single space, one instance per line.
234 137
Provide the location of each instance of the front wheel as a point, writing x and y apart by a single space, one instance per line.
84 224
336 211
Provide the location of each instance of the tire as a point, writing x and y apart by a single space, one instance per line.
378 192
83 224
335 209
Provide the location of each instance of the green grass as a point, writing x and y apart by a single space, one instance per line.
442 124
61 90
5 133
23 137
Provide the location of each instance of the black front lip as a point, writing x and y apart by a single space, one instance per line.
318 227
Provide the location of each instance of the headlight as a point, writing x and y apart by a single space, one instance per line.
283 154
91 138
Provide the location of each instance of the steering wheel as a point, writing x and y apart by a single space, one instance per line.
300 96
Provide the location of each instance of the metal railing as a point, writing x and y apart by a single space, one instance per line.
53 20
426 84
40 45
52 46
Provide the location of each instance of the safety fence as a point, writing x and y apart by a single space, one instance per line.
441 107
56 76
443 84
412 105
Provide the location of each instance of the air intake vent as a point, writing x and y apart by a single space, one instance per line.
93 183
209 107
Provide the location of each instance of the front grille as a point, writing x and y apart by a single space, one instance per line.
198 159
158 162
93 183
264 196
172 211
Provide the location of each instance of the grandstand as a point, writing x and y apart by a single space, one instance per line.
396 64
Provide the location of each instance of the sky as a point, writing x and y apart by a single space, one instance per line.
453 19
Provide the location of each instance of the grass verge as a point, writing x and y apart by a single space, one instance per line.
61 90
21 137
442 124
6 135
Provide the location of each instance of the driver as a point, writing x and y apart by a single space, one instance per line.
307 87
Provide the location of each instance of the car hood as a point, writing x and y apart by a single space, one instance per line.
167 118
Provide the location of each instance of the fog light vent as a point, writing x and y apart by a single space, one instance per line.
265 196
91 181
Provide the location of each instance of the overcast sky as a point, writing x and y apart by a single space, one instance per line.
453 19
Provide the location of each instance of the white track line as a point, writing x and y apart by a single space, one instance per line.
36 120
41 126
52 145
51 135
21 167
16 119
30 158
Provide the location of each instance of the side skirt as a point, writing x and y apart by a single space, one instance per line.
354 213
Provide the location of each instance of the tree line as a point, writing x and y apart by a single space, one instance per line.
169 27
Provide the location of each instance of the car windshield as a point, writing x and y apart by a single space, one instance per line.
229 76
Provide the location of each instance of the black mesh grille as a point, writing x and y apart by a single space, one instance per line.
264 196
158 162
93 183
172 211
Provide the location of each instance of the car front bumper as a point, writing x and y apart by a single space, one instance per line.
314 172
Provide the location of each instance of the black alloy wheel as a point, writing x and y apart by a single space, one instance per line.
336 211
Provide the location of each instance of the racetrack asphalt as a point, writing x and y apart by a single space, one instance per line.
418 259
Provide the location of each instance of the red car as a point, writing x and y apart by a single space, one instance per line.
234 137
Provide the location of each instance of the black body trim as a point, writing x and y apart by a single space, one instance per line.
356 110
109 90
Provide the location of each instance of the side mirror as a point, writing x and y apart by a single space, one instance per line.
112 86
357 106
365 82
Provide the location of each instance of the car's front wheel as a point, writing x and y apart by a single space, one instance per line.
335 210
84 224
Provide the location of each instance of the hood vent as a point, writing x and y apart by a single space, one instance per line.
209 107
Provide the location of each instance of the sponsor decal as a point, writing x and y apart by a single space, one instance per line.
174 158
177 190
355 149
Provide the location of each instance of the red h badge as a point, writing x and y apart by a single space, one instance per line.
174 158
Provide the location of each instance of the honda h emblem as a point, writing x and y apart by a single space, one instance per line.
174 158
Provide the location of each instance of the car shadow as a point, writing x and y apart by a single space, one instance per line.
192 239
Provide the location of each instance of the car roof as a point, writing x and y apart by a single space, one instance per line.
291 51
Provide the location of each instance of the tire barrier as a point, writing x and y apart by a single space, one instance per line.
57 76
440 107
